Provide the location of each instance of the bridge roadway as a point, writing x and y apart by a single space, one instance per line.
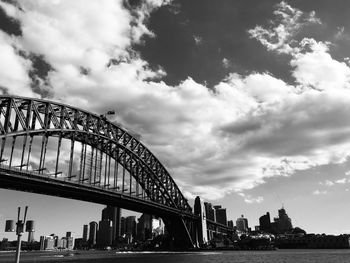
14 179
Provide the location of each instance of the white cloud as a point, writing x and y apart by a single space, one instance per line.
226 63
198 40
318 192
250 200
13 69
332 183
213 141
279 35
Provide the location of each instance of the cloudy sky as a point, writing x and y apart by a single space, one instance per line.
245 102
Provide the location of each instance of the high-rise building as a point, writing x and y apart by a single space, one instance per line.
144 227
265 222
104 234
209 211
230 224
113 214
220 215
42 242
93 233
122 226
130 225
283 223
85 233
242 224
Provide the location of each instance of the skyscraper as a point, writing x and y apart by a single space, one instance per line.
230 224
104 234
122 226
283 222
85 233
242 224
93 233
265 222
209 211
113 214
144 227
220 214
130 225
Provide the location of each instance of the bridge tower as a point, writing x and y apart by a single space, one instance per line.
201 223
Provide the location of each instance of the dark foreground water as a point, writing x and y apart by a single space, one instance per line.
278 256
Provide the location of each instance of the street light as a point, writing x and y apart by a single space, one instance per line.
19 230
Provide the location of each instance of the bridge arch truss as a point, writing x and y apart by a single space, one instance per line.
62 142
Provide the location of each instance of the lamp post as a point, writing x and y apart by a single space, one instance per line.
19 230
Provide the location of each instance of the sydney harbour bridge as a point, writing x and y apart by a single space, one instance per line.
56 149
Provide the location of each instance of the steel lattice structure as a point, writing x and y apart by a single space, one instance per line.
100 154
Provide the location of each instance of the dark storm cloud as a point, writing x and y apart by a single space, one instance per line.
221 27
39 75
9 25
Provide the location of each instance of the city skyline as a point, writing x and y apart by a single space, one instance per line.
245 103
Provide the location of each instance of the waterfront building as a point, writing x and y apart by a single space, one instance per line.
130 226
230 223
144 227
42 242
209 211
93 233
104 234
60 244
122 226
49 243
113 214
85 233
220 214
242 224
282 223
30 237
70 243
265 222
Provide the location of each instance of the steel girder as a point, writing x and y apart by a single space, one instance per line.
28 117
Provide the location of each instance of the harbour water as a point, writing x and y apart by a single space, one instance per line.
277 256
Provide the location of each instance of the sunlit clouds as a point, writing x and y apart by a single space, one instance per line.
214 140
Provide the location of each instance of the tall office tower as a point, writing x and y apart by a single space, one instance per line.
85 233
113 214
242 224
144 227
104 234
265 222
42 242
130 225
209 211
93 233
284 223
220 214
122 226
230 224
68 234
199 210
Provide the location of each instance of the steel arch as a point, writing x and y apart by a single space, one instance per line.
28 117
